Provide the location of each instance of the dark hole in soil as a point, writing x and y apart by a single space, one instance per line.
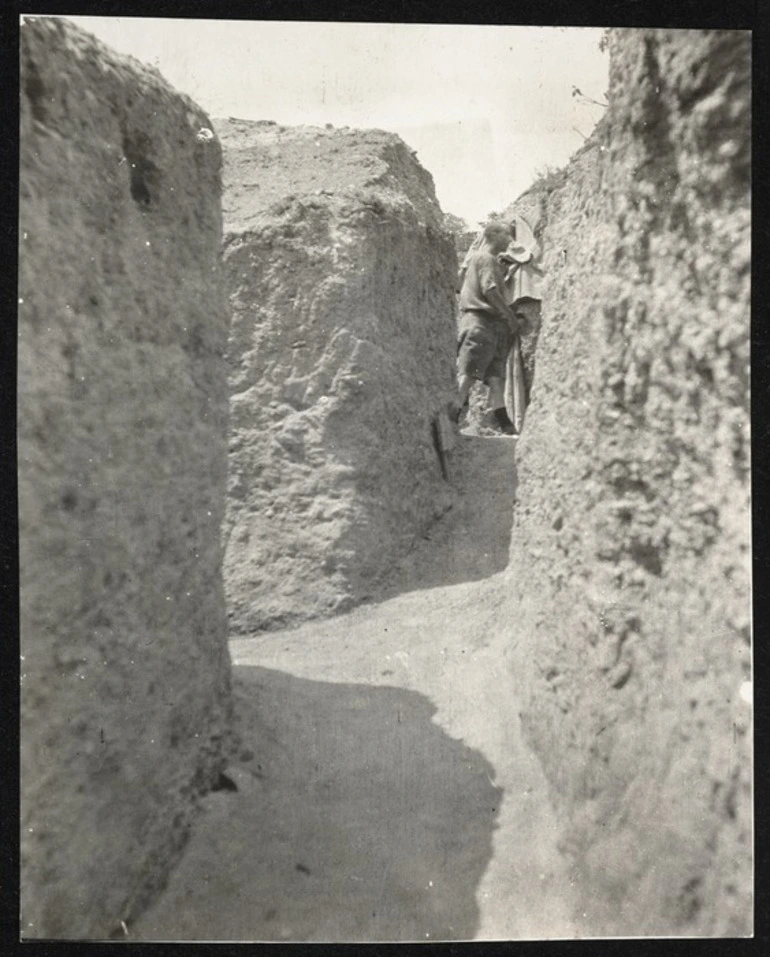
35 92
648 557
224 783
69 500
144 174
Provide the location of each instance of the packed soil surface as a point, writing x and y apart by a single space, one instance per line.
384 791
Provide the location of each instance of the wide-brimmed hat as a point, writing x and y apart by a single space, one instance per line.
519 252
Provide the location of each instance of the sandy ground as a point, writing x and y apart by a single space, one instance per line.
385 792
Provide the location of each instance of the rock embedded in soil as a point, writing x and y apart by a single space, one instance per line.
340 275
122 467
630 548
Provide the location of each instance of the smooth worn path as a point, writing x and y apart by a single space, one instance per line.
385 792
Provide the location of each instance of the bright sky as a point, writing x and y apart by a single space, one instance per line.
484 106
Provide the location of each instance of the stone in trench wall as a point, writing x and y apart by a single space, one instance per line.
341 352
122 423
631 541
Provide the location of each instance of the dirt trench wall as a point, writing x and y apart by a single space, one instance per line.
341 352
630 554
122 427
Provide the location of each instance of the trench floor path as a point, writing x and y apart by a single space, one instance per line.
385 792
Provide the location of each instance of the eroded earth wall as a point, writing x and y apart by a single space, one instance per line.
122 467
341 278
630 555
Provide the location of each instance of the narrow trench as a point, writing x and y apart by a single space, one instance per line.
383 791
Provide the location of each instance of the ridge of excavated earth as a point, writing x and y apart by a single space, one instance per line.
269 166
444 830
340 355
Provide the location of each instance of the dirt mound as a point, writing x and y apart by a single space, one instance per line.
122 458
267 165
630 555
341 353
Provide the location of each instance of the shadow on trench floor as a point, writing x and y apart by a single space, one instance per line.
471 541
356 819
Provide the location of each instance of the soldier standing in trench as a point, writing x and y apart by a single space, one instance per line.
486 326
